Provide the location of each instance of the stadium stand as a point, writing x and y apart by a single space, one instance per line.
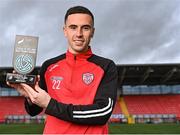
156 99
153 104
11 106
12 111
117 114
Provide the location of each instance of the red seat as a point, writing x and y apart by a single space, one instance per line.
116 112
117 108
153 104
11 106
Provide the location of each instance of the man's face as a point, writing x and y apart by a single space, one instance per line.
78 30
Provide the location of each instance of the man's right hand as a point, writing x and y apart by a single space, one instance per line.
19 88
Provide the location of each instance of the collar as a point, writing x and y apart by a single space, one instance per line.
80 56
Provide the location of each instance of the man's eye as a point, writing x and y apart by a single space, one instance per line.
72 27
86 28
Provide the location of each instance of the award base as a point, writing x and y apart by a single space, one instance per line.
18 78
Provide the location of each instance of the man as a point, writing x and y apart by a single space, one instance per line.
77 89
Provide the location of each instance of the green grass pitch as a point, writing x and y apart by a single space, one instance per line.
113 128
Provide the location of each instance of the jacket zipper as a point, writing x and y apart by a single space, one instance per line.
73 68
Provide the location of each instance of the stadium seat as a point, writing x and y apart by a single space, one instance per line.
153 104
117 113
11 106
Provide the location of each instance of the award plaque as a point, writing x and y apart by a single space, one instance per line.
24 59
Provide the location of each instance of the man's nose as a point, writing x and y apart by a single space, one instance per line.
79 32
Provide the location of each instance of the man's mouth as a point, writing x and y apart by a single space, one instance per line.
78 41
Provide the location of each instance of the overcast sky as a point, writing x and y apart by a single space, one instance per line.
127 31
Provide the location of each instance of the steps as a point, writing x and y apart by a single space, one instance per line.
125 111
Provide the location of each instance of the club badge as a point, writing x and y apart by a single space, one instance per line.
88 78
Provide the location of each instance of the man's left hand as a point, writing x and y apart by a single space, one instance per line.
37 96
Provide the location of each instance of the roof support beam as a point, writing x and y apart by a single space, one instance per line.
168 75
122 76
146 74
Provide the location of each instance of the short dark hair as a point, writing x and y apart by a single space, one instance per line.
78 9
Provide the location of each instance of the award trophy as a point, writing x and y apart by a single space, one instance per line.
24 59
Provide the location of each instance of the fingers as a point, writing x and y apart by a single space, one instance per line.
19 88
8 83
13 85
30 91
37 96
38 78
14 71
26 89
37 88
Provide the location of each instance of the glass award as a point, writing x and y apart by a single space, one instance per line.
24 59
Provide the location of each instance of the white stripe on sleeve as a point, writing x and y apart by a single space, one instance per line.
94 111
97 113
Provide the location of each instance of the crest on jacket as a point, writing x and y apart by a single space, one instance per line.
88 78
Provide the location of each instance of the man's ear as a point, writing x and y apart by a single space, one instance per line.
64 30
92 34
